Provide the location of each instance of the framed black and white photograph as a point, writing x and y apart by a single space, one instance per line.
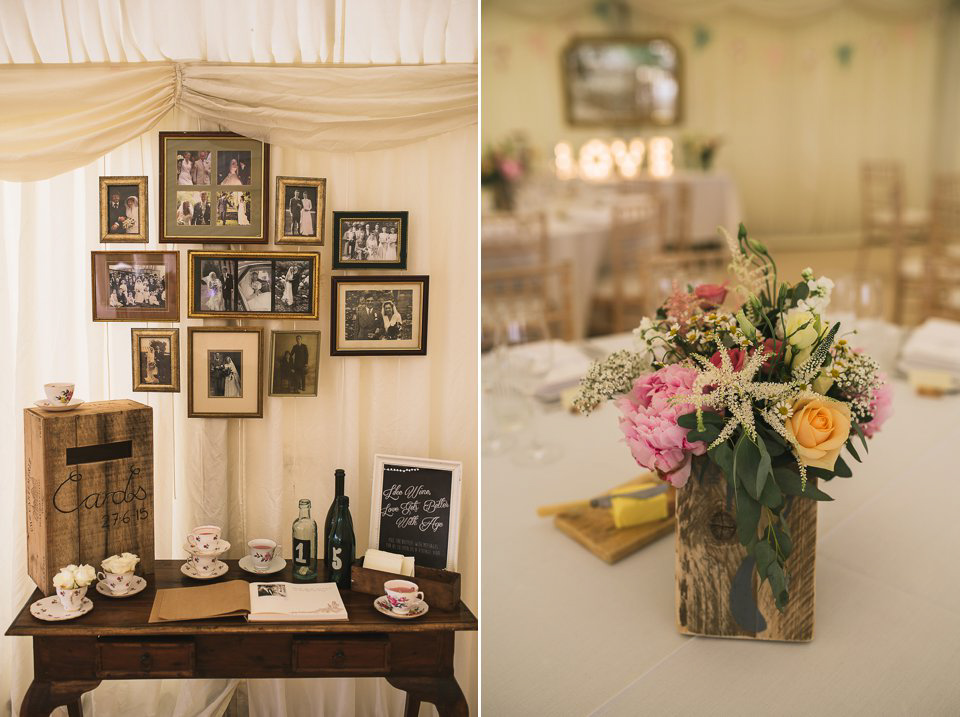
135 286
370 240
123 209
300 210
250 284
214 188
294 363
156 359
379 315
225 369
415 509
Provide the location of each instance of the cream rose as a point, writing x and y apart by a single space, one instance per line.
85 575
801 327
820 426
64 580
119 564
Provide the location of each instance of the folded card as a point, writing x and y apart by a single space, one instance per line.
386 562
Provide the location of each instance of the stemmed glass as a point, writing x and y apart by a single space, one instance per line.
506 411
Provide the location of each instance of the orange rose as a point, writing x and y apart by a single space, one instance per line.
820 427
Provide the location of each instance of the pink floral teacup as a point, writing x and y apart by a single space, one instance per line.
71 600
403 595
117 583
204 537
58 393
262 552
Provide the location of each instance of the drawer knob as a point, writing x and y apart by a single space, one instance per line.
146 661
339 657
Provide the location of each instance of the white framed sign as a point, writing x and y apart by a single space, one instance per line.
415 509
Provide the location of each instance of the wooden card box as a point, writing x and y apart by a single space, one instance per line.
718 592
441 588
89 486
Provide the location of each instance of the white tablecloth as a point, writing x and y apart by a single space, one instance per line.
566 634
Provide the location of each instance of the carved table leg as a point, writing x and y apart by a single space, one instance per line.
42 697
444 692
412 706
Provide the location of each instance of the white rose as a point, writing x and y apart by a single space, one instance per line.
119 564
85 575
64 580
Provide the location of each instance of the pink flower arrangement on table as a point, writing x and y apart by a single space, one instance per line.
768 390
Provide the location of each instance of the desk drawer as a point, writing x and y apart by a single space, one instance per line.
145 659
355 655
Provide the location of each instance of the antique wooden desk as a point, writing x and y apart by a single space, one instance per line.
115 642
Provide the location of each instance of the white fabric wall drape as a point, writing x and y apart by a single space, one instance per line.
796 121
247 475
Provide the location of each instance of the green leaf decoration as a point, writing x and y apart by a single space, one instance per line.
764 469
789 482
748 515
784 544
863 439
765 556
801 291
820 473
778 584
841 469
853 451
746 462
771 496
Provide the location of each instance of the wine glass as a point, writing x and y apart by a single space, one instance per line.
528 357
506 412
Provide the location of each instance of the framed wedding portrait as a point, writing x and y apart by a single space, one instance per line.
156 359
214 188
379 315
123 209
294 363
135 285
301 206
224 372
370 240
240 284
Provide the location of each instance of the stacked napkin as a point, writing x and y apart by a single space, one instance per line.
568 364
934 347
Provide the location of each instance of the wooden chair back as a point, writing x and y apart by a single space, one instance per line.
881 200
943 267
546 287
510 240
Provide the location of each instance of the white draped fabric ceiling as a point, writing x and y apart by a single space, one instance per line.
400 137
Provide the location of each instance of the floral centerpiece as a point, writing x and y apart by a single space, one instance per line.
503 166
699 151
769 391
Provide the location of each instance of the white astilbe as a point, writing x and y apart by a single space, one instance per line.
751 274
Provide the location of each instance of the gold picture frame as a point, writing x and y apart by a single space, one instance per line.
241 278
315 190
234 353
108 305
167 364
115 224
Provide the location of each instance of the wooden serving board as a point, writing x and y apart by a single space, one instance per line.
593 528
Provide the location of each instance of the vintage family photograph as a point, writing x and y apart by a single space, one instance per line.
135 286
301 204
295 360
213 188
370 240
379 315
225 366
156 359
250 284
123 209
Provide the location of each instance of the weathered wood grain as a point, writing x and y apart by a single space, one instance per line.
593 528
81 510
709 556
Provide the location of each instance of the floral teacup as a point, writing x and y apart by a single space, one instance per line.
72 600
58 393
117 583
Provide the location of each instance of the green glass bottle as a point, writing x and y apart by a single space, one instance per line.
341 546
338 477
304 545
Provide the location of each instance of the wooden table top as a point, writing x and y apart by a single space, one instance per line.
128 616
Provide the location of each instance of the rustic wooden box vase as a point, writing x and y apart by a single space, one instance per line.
441 588
89 486
718 591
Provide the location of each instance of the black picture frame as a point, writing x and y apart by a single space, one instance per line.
345 338
346 256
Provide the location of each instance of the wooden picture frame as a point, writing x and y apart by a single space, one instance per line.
213 354
226 175
388 248
599 105
283 381
311 188
429 471
110 269
167 364
245 278
358 307
116 225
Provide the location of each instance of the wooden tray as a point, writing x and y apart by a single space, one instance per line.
441 588
593 528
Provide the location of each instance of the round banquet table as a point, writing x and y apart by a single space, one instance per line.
566 634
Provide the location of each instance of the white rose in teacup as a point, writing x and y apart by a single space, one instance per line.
85 575
64 579
119 564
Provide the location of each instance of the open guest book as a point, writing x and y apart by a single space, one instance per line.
258 602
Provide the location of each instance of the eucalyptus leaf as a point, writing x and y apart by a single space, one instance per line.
841 469
863 438
748 515
765 556
801 291
784 543
771 496
789 482
853 451
748 460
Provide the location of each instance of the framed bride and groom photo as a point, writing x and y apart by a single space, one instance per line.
224 372
213 188
301 206
370 240
156 359
238 284
123 210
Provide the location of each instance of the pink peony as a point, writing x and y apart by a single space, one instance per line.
711 295
511 169
881 408
738 357
649 423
